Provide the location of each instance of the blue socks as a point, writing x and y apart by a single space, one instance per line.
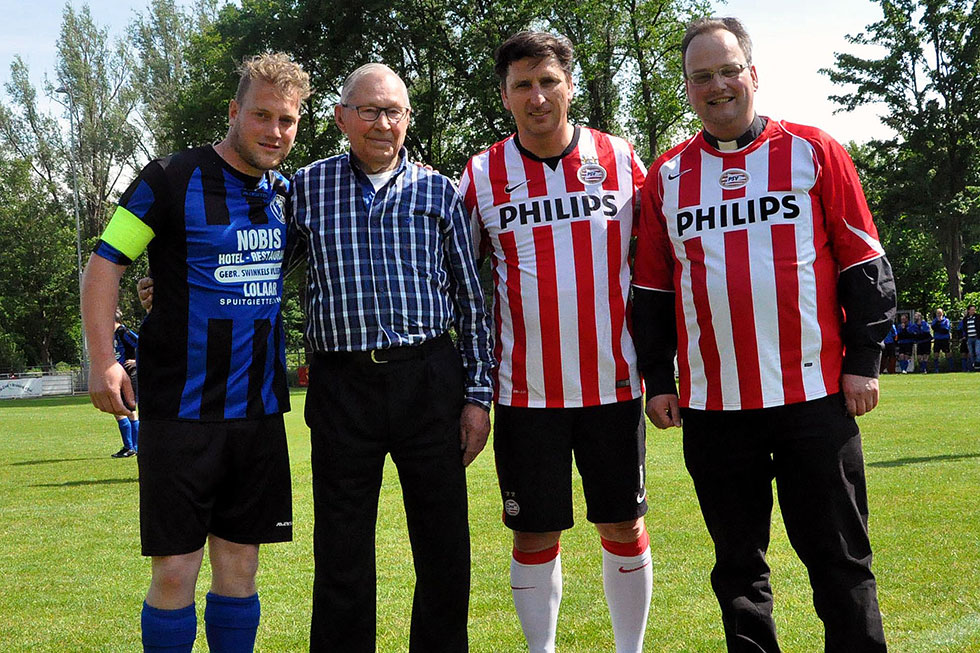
126 431
168 631
231 623
135 429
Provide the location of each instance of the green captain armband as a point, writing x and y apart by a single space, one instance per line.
127 233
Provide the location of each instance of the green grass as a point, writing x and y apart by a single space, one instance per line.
72 579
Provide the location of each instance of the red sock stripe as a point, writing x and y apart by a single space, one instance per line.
627 549
538 557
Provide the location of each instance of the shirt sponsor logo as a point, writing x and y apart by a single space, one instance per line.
733 179
591 173
557 208
511 507
737 213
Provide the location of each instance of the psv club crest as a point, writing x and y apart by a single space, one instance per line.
733 179
591 172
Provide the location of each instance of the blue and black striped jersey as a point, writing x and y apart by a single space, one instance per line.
212 348
124 342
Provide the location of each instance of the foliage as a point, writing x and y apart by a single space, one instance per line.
444 51
929 81
95 78
38 278
11 357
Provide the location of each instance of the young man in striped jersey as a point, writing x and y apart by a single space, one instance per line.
554 206
764 222
212 459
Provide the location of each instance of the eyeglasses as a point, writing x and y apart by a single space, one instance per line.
370 114
703 77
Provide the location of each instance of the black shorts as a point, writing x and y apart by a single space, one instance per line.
922 347
230 479
533 451
134 380
905 348
941 345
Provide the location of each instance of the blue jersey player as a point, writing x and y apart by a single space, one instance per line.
213 463
124 342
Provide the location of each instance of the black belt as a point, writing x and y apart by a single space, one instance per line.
390 355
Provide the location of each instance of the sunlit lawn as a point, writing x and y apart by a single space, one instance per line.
72 579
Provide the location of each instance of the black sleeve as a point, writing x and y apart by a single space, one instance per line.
655 337
295 254
867 295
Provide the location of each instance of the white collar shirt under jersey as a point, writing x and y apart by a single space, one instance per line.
392 267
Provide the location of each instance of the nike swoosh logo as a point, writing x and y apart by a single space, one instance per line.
522 588
624 570
511 189
676 175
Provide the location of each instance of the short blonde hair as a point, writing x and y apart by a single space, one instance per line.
276 68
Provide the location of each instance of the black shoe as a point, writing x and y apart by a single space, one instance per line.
125 452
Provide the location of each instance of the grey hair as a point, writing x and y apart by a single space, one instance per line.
367 69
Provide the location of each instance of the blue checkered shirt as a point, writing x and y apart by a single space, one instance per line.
390 268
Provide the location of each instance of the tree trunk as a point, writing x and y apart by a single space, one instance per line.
951 239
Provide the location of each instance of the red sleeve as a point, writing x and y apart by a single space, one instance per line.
850 228
654 255
467 188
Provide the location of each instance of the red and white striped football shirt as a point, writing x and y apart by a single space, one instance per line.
752 242
559 241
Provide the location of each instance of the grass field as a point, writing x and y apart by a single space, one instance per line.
72 579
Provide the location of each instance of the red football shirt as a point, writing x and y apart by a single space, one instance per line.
752 242
559 242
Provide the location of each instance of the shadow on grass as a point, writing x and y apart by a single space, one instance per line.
945 458
49 462
105 481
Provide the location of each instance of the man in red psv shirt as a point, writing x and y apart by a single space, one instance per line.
554 207
758 263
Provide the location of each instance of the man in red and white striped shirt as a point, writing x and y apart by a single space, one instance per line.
554 206
755 233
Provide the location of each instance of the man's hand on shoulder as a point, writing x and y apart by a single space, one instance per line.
144 287
474 428
664 411
860 393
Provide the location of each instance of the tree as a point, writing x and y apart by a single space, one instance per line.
161 36
929 81
38 278
95 79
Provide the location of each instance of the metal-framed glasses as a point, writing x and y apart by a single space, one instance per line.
370 114
702 77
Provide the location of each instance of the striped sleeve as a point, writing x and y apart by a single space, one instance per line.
472 322
130 230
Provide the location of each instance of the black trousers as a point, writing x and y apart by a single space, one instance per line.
358 412
813 451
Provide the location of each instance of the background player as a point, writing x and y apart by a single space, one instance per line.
213 461
554 205
124 342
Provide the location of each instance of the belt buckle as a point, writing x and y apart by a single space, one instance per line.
375 360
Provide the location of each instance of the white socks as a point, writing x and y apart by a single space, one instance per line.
535 582
627 577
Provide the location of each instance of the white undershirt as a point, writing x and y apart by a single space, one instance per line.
379 179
